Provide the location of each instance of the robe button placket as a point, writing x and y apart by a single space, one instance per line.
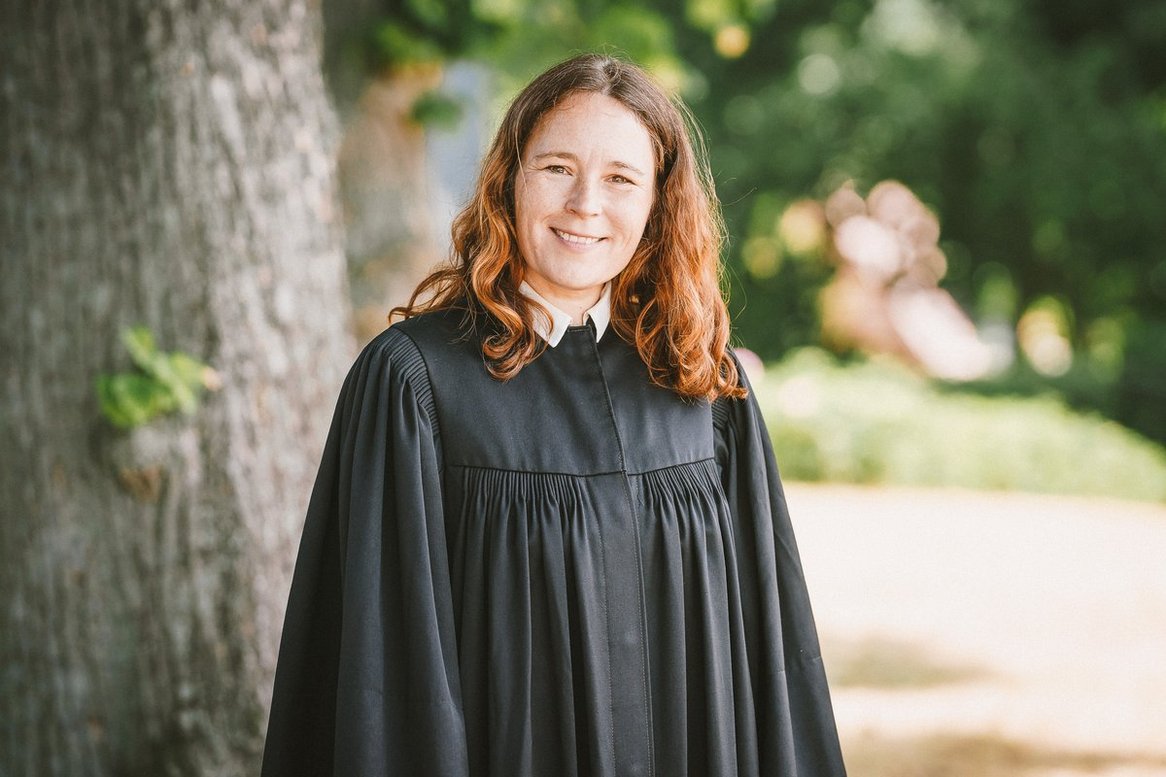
632 708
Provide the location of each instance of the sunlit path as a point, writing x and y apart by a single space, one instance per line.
1005 633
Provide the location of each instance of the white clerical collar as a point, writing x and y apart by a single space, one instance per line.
553 330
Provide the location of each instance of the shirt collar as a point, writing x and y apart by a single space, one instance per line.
553 330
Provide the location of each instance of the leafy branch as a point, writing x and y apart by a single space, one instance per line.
163 383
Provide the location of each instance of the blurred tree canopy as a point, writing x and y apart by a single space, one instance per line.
1034 130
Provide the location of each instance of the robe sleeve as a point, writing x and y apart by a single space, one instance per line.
797 731
367 682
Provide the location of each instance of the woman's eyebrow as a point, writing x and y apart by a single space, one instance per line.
626 166
558 154
572 157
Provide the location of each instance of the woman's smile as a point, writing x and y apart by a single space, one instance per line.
573 239
582 198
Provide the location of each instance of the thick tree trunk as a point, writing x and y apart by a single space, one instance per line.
169 164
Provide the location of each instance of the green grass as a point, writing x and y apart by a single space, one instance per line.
875 422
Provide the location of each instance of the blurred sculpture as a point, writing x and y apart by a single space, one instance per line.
385 178
885 296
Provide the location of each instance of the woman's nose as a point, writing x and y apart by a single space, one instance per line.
583 199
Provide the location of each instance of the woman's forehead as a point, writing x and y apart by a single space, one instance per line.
596 124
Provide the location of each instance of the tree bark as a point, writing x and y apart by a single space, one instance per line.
167 164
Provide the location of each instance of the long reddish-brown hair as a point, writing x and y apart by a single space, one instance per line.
667 301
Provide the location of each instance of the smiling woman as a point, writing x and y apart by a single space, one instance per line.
548 535
666 301
582 199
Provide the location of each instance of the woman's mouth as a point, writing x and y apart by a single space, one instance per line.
576 240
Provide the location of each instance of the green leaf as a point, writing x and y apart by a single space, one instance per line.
164 383
171 381
131 399
139 341
189 371
110 407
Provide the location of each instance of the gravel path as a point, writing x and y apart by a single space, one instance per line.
1048 613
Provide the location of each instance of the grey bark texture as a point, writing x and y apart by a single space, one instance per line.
168 164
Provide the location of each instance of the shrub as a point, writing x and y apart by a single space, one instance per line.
877 422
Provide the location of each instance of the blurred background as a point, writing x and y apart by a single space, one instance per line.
946 274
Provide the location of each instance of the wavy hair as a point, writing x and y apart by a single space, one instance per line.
667 301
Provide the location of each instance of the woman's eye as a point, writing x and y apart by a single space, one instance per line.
621 179
556 169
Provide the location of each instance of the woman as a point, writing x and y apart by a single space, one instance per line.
548 536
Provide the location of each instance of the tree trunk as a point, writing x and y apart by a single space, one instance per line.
167 164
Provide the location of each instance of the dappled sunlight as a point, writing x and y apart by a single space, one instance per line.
1043 333
987 755
880 662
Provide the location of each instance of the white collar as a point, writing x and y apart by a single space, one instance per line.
553 330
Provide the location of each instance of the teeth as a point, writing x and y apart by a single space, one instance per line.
578 240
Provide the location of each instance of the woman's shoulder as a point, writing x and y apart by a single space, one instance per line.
419 350
435 328
726 409
407 348
391 364
408 340
391 355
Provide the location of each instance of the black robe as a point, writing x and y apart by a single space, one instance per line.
571 573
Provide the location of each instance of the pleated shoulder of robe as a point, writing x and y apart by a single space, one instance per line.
574 573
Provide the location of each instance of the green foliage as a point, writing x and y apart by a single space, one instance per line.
396 43
519 38
1036 133
1140 394
871 422
164 383
437 110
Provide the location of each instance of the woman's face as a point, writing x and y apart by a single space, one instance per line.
582 196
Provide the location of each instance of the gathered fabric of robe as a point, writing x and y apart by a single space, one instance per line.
574 573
